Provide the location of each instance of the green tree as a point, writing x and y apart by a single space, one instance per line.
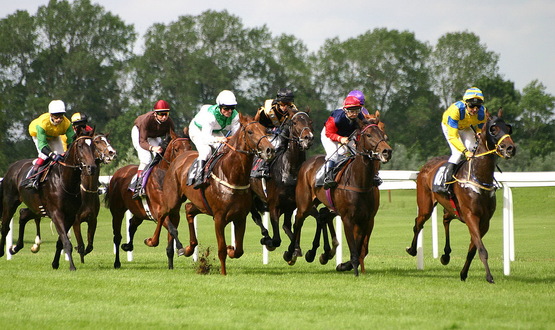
457 61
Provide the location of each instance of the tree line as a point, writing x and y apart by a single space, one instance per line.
82 54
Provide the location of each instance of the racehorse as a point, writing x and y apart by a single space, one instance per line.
353 199
119 198
278 195
90 202
227 197
58 197
473 192
104 153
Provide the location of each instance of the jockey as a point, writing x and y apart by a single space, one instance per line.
46 131
147 134
461 124
272 115
79 122
335 136
206 131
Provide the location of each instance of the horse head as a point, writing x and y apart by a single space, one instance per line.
255 138
176 147
81 154
498 136
300 130
103 150
371 140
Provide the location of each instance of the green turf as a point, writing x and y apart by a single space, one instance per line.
393 294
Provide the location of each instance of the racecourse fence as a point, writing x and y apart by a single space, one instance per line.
395 180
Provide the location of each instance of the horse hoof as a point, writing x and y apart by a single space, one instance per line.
127 247
292 261
117 265
287 256
309 257
35 248
181 252
445 259
411 251
148 242
323 259
13 249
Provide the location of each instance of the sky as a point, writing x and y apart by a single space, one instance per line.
521 32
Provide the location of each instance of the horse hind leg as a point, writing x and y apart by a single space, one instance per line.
446 257
134 223
476 244
425 209
266 239
170 251
320 227
36 246
24 216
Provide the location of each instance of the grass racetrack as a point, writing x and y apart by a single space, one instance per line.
393 294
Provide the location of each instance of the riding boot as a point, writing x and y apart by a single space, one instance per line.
199 175
32 180
447 176
138 189
329 180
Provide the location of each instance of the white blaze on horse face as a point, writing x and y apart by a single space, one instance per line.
88 142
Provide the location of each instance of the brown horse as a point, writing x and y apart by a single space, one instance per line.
353 199
90 202
473 193
278 196
227 197
58 197
104 153
119 198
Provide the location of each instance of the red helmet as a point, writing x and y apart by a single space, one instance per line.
351 101
161 105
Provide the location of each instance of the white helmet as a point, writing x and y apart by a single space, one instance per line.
57 106
226 97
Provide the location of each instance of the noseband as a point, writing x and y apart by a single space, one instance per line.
372 154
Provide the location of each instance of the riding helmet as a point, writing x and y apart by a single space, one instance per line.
285 95
161 105
57 106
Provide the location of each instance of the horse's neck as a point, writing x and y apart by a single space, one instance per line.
236 164
361 170
481 168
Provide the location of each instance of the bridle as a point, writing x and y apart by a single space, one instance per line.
80 164
372 154
289 122
251 150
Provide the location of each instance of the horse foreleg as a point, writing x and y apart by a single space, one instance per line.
476 244
36 246
134 223
91 230
237 251
219 226
294 250
154 240
80 248
446 257
320 227
117 218
191 211
170 251
353 263
274 219
255 215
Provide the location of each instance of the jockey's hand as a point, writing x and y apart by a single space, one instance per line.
222 139
157 149
468 154
344 140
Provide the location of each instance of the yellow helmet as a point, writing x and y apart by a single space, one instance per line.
79 118
473 93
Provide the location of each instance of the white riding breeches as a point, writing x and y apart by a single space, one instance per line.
468 139
334 150
55 144
145 156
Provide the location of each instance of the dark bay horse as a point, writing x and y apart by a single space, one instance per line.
119 198
104 153
278 196
59 197
90 202
353 199
473 191
228 196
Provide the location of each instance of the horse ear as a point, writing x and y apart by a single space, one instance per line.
186 131
500 112
377 115
307 109
173 135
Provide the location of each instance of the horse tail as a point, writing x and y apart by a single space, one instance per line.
107 197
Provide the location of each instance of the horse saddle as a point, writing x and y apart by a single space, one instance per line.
337 171
438 178
210 163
